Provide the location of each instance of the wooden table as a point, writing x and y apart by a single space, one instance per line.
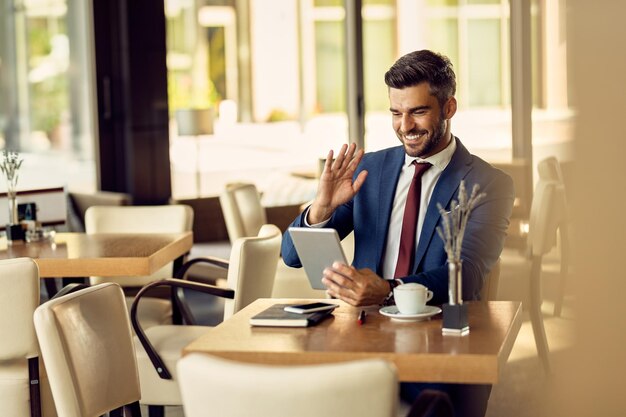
418 349
104 254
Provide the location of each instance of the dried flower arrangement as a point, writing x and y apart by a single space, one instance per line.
454 224
455 221
10 167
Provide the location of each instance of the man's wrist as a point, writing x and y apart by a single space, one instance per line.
318 215
308 223
389 300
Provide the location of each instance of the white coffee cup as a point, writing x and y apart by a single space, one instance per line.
411 298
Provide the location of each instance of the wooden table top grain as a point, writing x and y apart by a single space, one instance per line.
102 254
418 349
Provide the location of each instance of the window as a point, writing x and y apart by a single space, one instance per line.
45 108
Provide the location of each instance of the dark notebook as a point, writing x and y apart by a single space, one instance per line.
276 316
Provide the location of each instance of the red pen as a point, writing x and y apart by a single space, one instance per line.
361 318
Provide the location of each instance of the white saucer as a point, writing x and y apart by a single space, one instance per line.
392 311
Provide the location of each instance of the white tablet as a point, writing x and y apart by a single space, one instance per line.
317 249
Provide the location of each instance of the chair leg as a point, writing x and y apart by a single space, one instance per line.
432 403
34 386
132 410
118 412
558 303
156 411
51 287
536 317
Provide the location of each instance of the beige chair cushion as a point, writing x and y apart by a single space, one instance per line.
14 390
87 347
359 388
152 311
243 213
169 341
252 266
173 218
19 280
250 259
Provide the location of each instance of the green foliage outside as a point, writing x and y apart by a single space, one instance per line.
183 94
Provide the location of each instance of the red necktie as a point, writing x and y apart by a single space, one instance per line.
409 222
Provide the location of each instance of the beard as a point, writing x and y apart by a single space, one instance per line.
432 140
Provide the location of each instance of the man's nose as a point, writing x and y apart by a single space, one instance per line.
407 124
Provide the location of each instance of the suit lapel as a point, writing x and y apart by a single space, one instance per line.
388 180
445 189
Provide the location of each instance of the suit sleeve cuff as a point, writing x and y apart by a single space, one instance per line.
306 222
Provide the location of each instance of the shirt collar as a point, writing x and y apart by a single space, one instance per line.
439 160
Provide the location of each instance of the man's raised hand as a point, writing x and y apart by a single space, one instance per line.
336 186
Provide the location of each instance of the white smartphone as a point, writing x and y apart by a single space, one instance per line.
310 307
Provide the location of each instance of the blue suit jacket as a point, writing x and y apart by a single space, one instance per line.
368 214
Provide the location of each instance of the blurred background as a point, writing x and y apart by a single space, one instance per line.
92 93
82 81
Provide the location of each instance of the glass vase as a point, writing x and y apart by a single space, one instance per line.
455 281
13 215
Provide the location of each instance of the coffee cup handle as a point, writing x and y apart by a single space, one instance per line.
429 295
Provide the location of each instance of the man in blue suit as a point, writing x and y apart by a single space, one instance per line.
367 193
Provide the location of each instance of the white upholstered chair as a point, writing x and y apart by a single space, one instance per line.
489 291
547 217
78 203
173 218
361 388
24 389
86 345
244 214
549 169
251 271
242 209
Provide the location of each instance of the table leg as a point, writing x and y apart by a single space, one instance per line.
177 317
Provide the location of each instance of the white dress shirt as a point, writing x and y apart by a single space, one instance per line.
429 179
439 162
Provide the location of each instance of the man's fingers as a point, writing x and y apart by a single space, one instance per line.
356 159
341 294
339 275
341 156
329 161
358 182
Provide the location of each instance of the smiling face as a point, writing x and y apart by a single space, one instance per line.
420 123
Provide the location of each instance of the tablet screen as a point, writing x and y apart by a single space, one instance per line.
317 249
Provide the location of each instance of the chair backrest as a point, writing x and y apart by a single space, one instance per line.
252 268
80 202
242 209
19 280
19 351
549 169
87 347
360 388
489 291
174 218
548 210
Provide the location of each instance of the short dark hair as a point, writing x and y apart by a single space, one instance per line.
419 66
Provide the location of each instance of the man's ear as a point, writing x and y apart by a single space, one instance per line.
449 109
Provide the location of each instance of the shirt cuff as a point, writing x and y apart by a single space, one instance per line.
318 225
